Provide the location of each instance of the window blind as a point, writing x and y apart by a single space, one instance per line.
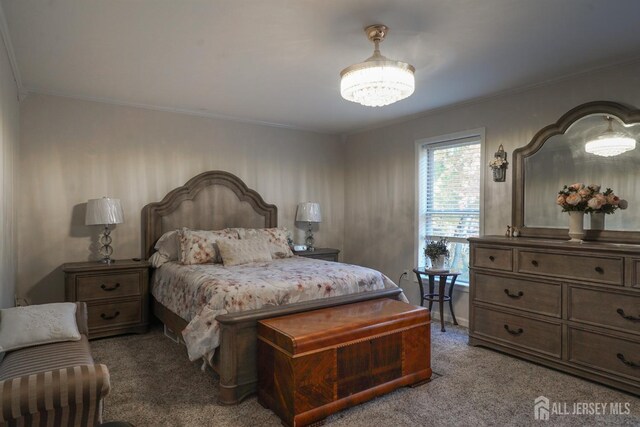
451 189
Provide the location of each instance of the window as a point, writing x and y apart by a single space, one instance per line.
449 195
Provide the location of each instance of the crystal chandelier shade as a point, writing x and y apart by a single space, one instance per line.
377 81
610 143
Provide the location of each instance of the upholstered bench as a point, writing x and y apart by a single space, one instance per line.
53 384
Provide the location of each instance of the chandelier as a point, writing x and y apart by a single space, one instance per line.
610 143
377 81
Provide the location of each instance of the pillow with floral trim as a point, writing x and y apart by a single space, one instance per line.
277 239
201 246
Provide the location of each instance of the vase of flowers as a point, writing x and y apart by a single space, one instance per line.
578 199
601 204
437 253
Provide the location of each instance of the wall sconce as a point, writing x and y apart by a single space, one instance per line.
499 165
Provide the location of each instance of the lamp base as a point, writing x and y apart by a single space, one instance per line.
309 240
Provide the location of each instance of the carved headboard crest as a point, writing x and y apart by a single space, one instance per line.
211 200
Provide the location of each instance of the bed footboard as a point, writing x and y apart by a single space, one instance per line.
238 350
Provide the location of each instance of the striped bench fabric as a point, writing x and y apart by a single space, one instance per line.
54 384
64 397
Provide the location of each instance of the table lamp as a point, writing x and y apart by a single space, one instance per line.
105 211
309 212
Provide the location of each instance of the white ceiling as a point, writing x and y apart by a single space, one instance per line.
278 61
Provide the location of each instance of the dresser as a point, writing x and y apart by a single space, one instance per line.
117 295
573 307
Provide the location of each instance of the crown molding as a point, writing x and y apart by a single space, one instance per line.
186 111
6 38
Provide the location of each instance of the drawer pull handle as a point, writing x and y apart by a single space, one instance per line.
627 362
534 263
105 317
512 332
492 258
627 316
600 270
112 288
510 295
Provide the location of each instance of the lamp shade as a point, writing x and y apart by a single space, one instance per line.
104 211
309 212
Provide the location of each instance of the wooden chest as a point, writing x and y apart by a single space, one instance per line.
313 364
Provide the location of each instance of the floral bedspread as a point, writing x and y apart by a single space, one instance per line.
199 293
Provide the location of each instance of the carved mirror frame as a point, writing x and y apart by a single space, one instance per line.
627 114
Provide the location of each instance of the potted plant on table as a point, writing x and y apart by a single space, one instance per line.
437 252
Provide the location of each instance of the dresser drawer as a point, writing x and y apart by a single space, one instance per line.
543 337
596 269
605 353
100 286
498 259
636 273
538 297
114 314
605 308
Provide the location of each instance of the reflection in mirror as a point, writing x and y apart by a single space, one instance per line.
563 160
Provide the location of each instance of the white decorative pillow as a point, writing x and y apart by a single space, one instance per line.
236 252
37 324
201 247
158 259
276 239
169 245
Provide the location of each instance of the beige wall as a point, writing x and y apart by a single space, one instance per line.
380 191
9 134
74 150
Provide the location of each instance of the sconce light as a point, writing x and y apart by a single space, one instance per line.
499 165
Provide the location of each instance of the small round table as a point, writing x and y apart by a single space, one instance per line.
440 296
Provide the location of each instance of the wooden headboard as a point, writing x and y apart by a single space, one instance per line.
210 201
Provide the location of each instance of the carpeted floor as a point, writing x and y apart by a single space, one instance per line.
154 384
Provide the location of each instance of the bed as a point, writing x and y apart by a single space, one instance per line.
216 200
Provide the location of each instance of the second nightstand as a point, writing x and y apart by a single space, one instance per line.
327 254
117 295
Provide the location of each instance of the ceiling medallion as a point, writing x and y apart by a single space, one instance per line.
377 81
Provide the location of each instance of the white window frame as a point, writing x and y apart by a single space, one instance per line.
419 220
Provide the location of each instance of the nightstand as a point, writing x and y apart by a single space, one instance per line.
117 295
327 254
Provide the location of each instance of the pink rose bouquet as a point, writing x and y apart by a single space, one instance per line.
581 198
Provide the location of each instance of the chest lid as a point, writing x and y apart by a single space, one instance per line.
327 327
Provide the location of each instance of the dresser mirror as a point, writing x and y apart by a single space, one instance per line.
557 156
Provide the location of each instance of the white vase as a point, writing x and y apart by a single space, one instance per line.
438 263
597 220
576 226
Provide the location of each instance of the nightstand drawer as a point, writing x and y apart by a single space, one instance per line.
114 314
100 286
